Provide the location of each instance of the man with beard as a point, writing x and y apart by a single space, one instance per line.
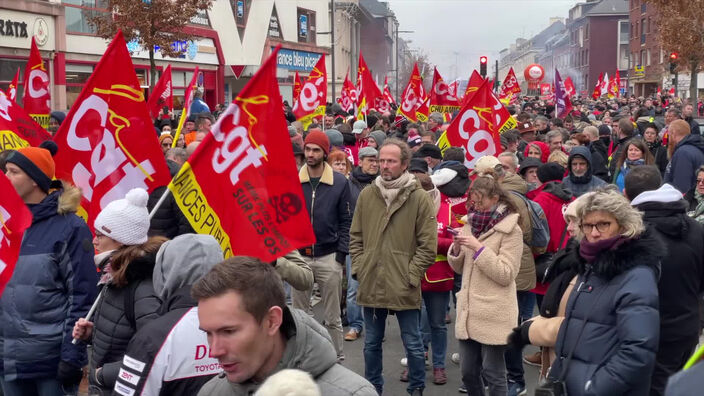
393 240
580 179
328 200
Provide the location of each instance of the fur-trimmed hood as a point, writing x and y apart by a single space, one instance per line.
61 201
69 198
647 250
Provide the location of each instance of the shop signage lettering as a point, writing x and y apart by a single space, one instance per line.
296 60
12 28
274 24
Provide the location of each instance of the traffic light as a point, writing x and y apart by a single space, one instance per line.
673 59
482 65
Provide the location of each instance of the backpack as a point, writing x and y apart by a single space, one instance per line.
538 223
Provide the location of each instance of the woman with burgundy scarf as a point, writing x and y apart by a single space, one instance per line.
607 342
487 252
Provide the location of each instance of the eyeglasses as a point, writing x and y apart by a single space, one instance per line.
166 145
700 181
601 226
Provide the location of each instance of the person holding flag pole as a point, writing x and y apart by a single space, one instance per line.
187 100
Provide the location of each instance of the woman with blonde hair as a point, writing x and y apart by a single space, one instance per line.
487 252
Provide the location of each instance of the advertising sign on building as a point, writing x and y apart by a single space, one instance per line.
296 60
303 25
274 29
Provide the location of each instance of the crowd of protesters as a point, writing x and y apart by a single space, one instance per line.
583 237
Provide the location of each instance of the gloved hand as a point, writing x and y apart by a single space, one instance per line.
340 257
519 336
68 374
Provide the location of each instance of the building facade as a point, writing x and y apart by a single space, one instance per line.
649 63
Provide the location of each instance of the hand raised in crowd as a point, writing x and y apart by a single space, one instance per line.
83 329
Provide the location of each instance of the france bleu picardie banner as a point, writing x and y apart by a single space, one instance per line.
186 111
411 97
442 99
12 89
163 94
241 185
107 144
37 98
498 119
17 128
313 96
15 218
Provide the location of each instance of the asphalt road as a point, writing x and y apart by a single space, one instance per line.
394 352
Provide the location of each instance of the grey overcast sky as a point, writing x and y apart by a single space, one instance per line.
455 33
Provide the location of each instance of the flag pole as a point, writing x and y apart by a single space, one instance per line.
92 309
159 202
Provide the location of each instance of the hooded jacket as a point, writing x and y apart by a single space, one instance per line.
659 152
308 348
688 156
579 185
615 300
525 280
599 155
554 198
169 356
544 150
52 286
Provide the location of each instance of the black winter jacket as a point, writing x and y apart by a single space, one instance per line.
112 330
688 156
659 152
682 270
168 221
616 301
330 209
599 156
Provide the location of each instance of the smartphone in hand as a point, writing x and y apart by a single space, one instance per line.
452 231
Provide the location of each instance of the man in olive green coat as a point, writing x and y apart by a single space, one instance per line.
393 240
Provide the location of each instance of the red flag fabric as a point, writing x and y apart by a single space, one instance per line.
17 128
297 86
387 92
367 91
241 185
15 218
545 91
452 89
569 87
510 88
348 94
441 98
597 89
107 144
163 94
313 96
475 81
12 89
186 111
411 99
37 99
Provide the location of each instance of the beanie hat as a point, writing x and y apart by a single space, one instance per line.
604 130
37 163
367 152
430 150
59 116
550 172
335 137
319 138
413 139
163 136
126 220
379 137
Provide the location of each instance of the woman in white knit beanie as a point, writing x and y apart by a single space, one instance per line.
125 255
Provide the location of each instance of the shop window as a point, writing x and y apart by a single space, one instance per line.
240 9
79 12
76 77
8 68
306 26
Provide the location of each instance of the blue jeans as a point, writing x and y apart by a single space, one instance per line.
433 325
354 311
35 387
375 326
514 356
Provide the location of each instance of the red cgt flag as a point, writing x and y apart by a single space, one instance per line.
37 99
15 218
314 94
297 86
387 92
348 94
510 87
367 90
12 89
163 94
107 144
569 87
475 81
442 99
241 185
412 97
17 128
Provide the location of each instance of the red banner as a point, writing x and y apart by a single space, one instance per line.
367 91
241 185
387 92
348 94
37 99
510 87
17 128
475 81
297 86
545 91
569 87
314 95
107 144
412 98
12 89
597 89
163 94
186 111
442 99
15 217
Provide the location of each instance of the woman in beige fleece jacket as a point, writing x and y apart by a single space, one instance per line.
487 253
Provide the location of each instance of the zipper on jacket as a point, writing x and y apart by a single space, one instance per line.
312 206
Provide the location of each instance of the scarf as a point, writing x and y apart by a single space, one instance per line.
698 212
102 262
362 177
390 189
481 222
591 250
628 164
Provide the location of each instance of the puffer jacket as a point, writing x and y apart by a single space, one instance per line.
53 284
688 156
616 300
526 274
112 330
487 309
309 349
168 221
391 247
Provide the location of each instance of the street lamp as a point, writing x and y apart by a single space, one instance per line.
397 32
